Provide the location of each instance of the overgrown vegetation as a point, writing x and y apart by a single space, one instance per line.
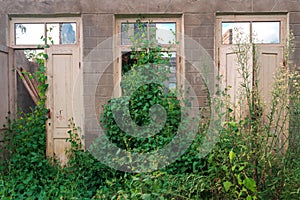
250 161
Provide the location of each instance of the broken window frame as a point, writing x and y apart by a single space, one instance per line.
176 47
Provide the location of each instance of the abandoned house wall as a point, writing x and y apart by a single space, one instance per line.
98 24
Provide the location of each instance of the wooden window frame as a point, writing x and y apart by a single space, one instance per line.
282 17
41 20
119 48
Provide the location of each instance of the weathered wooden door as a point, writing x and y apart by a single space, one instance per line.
231 73
268 59
268 32
64 77
7 86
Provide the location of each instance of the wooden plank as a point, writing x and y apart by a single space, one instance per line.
29 85
4 88
5 77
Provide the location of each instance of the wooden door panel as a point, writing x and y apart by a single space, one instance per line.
59 148
229 69
233 78
63 71
269 59
62 89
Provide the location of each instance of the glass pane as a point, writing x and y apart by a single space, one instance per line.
68 33
132 32
171 83
161 33
266 32
127 32
165 33
53 33
235 32
62 33
29 34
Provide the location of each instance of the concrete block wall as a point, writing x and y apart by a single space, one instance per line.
97 69
98 23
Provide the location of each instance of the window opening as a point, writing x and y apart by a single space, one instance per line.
154 33
161 32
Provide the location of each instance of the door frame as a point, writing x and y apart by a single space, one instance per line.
50 19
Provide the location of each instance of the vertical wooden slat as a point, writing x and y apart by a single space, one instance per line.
6 90
4 87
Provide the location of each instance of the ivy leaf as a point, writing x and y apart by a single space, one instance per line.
238 177
146 196
227 185
249 197
231 156
45 56
250 184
